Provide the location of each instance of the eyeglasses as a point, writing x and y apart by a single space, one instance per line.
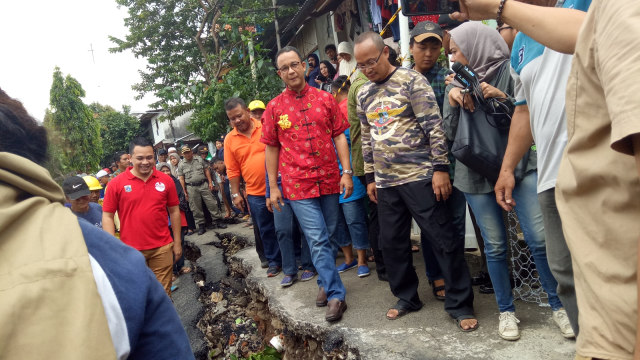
294 65
370 63
504 28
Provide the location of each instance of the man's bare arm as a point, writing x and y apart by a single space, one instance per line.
108 223
538 22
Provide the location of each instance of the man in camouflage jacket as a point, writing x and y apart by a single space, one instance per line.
406 166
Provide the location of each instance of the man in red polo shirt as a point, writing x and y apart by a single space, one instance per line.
244 157
300 127
141 197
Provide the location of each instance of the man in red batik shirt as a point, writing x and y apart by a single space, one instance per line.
300 127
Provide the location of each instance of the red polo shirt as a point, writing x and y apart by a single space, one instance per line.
142 208
303 126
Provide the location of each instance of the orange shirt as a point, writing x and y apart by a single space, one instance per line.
244 157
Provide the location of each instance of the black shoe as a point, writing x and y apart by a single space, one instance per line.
202 230
382 276
486 288
481 278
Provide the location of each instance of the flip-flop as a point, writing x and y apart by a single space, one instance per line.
402 311
459 319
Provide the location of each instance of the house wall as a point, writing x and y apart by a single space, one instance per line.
169 130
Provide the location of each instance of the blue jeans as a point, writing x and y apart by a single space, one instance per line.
352 225
289 239
458 208
263 219
489 217
318 217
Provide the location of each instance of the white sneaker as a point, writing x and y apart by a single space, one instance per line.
508 328
561 319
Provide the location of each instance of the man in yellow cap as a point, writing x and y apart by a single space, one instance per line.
94 188
196 181
256 108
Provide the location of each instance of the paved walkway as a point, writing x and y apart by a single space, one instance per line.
427 334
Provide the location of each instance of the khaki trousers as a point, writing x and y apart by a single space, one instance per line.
198 194
160 261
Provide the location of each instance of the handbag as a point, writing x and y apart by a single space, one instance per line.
481 139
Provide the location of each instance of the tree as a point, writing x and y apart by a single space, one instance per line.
117 129
190 43
75 143
210 120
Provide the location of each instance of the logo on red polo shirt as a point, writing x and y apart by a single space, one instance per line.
127 188
160 186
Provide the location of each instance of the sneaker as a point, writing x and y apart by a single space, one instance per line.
273 271
562 320
344 266
307 275
288 280
363 271
508 328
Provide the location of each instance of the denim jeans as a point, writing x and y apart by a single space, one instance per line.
352 225
458 208
263 219
289 239
318 217
489 217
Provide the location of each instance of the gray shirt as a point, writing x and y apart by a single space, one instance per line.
467 180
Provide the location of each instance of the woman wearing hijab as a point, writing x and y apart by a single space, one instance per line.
174 160
312 70
482 49
347 60
327 73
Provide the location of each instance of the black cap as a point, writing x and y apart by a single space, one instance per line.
75 187
447 23
426 29
162 152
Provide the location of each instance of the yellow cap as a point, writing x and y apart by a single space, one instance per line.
256 104
92 183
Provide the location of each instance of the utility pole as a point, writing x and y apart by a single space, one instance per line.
91 50
275 20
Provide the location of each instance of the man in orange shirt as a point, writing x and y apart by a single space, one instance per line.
244 157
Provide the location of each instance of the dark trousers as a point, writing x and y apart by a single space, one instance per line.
263 220
374 232
396 206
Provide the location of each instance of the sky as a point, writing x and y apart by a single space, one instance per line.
36 36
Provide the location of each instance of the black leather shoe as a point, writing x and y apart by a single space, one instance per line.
202 230
486 288
321 299
481 278
335 309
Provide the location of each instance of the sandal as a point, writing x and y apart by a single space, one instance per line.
185 270
402 311
436 289
459 319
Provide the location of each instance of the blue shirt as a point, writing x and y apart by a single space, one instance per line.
93 216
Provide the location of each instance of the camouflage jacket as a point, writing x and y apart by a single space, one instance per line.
402 136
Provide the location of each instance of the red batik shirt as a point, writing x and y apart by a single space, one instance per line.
303 126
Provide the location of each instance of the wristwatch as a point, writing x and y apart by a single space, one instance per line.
348 172
235 195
